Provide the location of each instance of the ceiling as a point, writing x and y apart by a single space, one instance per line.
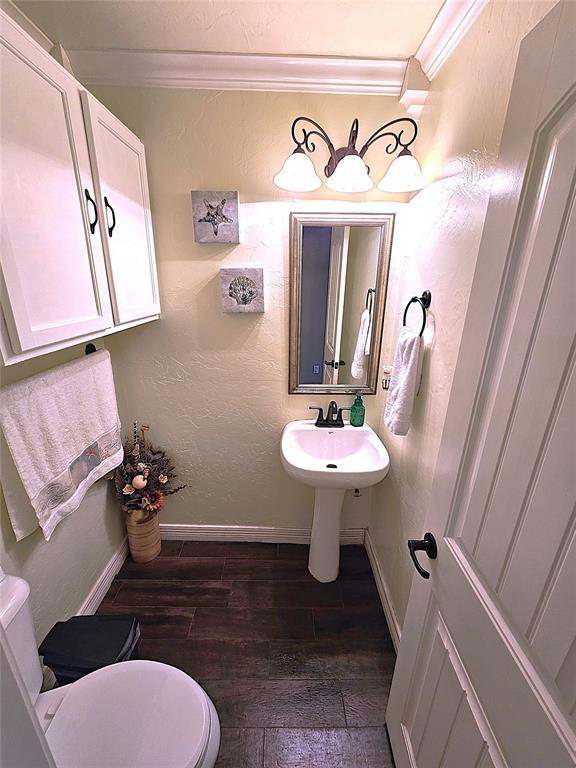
391 29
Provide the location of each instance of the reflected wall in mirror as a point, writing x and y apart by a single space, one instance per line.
338 281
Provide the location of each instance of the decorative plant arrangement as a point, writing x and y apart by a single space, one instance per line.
143 480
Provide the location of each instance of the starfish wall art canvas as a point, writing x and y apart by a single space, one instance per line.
215 217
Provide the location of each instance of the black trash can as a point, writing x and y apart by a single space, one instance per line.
82 644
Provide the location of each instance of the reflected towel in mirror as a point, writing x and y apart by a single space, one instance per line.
362 345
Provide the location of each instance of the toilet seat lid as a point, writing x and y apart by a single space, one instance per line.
129 715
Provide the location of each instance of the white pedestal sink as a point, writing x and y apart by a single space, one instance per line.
332 460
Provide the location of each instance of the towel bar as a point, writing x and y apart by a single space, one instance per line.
425 300
370 293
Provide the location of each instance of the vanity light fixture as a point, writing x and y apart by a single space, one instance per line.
346 170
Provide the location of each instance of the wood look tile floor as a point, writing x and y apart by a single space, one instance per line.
299 671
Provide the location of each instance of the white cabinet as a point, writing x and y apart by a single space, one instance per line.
76 250
51 255
119 166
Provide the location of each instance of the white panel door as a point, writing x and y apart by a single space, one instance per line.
119 165
486 673
54 277
335 308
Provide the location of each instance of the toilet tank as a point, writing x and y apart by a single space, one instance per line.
16 618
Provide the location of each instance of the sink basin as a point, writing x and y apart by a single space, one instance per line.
347 457
332 461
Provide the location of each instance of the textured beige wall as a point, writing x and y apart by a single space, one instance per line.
61 572
460 133
213 386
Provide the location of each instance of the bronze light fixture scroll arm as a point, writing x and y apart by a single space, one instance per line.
400 137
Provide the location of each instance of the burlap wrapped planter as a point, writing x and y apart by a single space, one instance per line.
143 535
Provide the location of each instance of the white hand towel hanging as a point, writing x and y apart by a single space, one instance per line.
404 382
63 432
368 336
362 345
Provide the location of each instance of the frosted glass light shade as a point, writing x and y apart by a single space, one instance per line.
403 175
351 175
298 174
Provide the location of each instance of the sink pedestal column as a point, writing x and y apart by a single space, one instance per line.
324 558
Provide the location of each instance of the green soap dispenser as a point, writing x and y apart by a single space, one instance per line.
357 411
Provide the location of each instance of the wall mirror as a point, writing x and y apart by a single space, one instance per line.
338 282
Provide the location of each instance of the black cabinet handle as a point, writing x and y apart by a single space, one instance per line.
109 208
428 545
91 223
334 364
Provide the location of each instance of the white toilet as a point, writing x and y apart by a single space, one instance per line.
133 714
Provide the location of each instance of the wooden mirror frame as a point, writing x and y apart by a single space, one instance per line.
297 222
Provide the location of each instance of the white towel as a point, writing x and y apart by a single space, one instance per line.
63 432
362 345
20 511
368 337
404 382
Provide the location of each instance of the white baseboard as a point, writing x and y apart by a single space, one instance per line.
193 532
389 612
104 581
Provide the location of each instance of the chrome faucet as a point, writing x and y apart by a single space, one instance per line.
333 415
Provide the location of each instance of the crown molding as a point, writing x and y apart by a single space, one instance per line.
415 87
448 28
267 72
243 72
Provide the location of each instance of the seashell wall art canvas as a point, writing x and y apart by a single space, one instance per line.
242 289
215 217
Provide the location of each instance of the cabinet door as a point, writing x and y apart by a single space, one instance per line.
53 272
119 166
